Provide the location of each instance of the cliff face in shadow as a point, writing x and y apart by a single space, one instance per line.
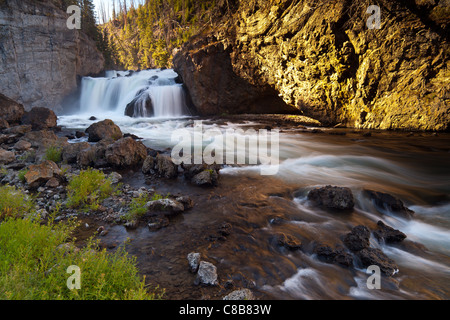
40 58
322 59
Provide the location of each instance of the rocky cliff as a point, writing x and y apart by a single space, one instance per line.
40 58
322 59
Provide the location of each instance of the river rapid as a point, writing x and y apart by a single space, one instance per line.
413 167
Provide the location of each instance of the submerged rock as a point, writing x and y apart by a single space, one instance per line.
141 106
390 203
372 256
288 241
358 238
334 198
388 234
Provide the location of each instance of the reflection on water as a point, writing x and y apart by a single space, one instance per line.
416 169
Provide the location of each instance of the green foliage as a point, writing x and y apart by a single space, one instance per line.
138 207
53 153
34 259
22 174
14 203
89 189
144 37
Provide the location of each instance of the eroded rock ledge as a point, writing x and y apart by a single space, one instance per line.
322 60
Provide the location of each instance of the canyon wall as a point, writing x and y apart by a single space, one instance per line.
321 58
40 57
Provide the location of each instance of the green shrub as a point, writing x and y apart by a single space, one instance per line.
34 259
89 189
22 174
138 207
14 203
53 153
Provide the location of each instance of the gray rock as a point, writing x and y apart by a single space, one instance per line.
165 166
105 129
242 294
169 206
194 261
206 274
6 156
22 145
10 110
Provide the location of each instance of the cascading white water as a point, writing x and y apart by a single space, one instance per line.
113 93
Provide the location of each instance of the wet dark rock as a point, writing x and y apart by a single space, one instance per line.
208 177
40 118
125 152
334 198
3 124
149 165
225 229
339 256
358 238
79 134
92 118
288 241
131 225
157 223
194 261
390 203
105 129
388 234
372 256
141 106
186 201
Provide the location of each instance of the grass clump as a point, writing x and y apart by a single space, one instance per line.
89 189
53 153
14 203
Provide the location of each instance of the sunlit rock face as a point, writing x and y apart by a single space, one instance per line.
40 57
322 59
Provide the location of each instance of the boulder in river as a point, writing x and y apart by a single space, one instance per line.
390 203
194 261
165 166
358 238
141 106
105 129
338 255
388 234
168 206
334 198
372 256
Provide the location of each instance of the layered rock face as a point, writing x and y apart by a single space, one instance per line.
322 59
40 58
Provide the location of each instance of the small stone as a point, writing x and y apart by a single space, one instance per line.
206 274
194 261
243 294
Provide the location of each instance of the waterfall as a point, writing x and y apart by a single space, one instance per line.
148 93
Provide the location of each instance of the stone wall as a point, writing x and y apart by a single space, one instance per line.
40 58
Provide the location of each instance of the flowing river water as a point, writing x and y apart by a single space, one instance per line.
413 167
